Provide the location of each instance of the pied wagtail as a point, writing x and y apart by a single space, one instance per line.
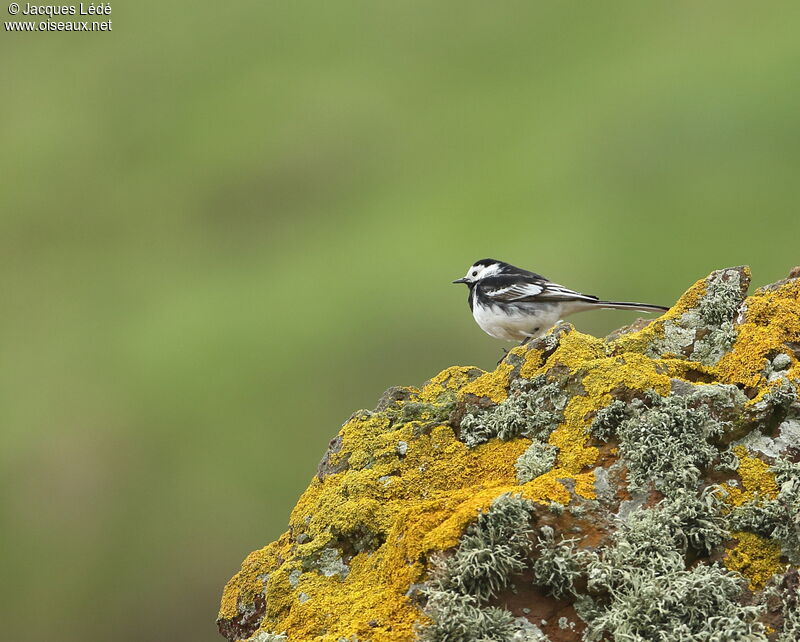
510 303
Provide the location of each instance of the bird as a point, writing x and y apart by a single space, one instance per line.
510 303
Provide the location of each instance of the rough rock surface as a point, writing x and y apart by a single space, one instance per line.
645 487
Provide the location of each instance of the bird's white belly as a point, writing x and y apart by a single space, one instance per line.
516 323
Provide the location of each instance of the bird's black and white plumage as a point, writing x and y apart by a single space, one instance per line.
517 305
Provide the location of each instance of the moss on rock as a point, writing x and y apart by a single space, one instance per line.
640 487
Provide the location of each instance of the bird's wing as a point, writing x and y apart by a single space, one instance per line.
519 289
556 292
512 292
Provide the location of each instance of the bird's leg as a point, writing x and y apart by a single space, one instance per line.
505 354
506 350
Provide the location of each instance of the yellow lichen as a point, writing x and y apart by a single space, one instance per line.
757 480
755 557
246 583
772 318
533 359
576 349
451 379
491 384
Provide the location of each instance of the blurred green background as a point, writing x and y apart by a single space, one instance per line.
225 227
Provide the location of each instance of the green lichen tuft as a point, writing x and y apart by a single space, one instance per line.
647 593
694 521
429 413
491 550
537 459
791 626
666 440
694 605
779 396
558 563
461 618
533 409
608 419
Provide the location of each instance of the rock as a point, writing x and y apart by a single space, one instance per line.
645 486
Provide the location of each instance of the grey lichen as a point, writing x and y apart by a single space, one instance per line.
789 429
781 362
537 459
558 563
790 610
759 442
694 521
602 485
527 632
777 367
328 562
645 592
777 406
462 618
264 636
673 603
493 548
706 332
608 419
533 409
564 623
665 440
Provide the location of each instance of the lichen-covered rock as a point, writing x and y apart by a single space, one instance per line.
641 487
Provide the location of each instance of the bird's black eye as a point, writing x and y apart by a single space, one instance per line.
475 273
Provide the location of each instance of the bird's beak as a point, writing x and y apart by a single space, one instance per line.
461 280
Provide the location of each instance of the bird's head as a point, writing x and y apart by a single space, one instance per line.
480 270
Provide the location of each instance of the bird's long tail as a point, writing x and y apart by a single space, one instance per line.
624 305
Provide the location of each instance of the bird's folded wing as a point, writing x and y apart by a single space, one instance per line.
513 292
556 292
529 291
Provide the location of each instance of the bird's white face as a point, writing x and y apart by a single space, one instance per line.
479 271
